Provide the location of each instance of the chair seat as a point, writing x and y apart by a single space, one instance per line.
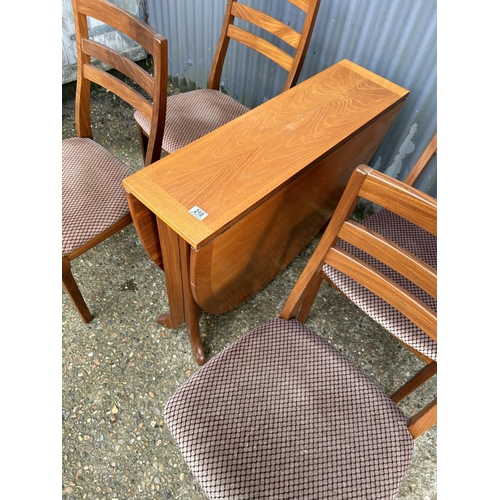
193 114
281 414
91 201
413 239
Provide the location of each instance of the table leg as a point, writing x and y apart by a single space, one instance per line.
183 307
192 310
169 242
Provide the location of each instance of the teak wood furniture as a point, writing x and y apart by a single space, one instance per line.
387 266
94 206
417 239
281 413
228 212
193 114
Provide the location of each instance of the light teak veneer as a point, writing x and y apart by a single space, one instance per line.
268 180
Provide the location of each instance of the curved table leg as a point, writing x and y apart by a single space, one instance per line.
192 310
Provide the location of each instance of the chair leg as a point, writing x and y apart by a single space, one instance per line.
423 420
422 376
144 140
73 291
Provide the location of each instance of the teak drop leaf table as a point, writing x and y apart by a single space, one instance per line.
228 212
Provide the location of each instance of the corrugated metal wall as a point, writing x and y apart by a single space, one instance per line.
393 38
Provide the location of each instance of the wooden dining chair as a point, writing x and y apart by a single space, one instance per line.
192 114
94 205
414 239
281 413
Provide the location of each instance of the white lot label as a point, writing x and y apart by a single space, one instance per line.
198 213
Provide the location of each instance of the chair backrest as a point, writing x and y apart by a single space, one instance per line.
155 86
424 160
239 19
408 203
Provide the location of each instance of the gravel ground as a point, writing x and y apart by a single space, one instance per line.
119 370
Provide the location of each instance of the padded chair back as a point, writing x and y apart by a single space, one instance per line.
154 86
243 24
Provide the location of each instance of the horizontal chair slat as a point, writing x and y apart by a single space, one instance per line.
264 47
385 288
390 254
121 89
270 24
123 21
301 4
120 63
420 212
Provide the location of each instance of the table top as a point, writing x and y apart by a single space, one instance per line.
202 189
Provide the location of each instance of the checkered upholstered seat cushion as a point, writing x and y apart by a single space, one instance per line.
413 239
191 115
281 414
91 201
